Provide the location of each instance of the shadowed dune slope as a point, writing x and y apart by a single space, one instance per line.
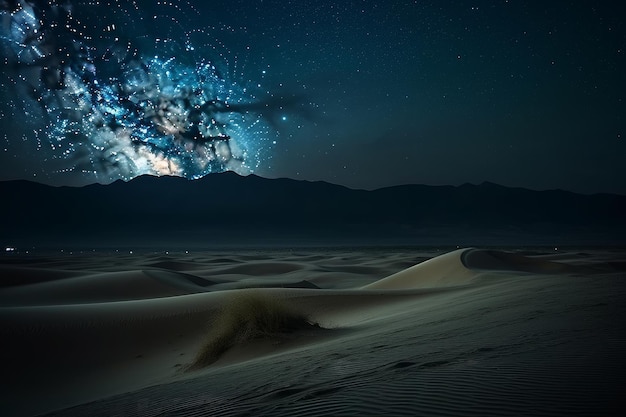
13 275
104 287
493 260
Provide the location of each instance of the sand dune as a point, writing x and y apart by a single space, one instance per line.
262 268
444 270
13 275
107 286
467 332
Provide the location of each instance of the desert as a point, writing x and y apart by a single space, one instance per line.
385 331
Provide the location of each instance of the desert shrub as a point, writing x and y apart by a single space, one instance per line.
248 316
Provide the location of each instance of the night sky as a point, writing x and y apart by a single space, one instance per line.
360 93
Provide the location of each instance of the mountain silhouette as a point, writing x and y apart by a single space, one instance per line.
228 208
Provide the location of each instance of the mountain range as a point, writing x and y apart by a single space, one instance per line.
230 209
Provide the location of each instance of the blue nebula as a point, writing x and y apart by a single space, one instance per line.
109 109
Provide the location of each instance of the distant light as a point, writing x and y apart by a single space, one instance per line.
9 249
284 118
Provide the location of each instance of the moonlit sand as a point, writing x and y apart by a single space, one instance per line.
393 332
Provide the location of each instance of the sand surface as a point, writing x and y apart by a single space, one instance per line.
404 331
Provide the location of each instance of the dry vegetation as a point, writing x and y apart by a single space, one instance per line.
246 317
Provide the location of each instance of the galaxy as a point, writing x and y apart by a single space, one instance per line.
360 93
109 107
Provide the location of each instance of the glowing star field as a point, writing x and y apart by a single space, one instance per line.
108 106
361 93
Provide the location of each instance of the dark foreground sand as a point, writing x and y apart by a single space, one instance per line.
404 332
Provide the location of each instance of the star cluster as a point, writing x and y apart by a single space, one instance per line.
97 102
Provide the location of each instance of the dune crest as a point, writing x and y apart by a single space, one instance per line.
441 271
459 267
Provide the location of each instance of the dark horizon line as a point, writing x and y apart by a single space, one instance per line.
253 175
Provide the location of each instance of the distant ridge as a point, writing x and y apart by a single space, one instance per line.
230 207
